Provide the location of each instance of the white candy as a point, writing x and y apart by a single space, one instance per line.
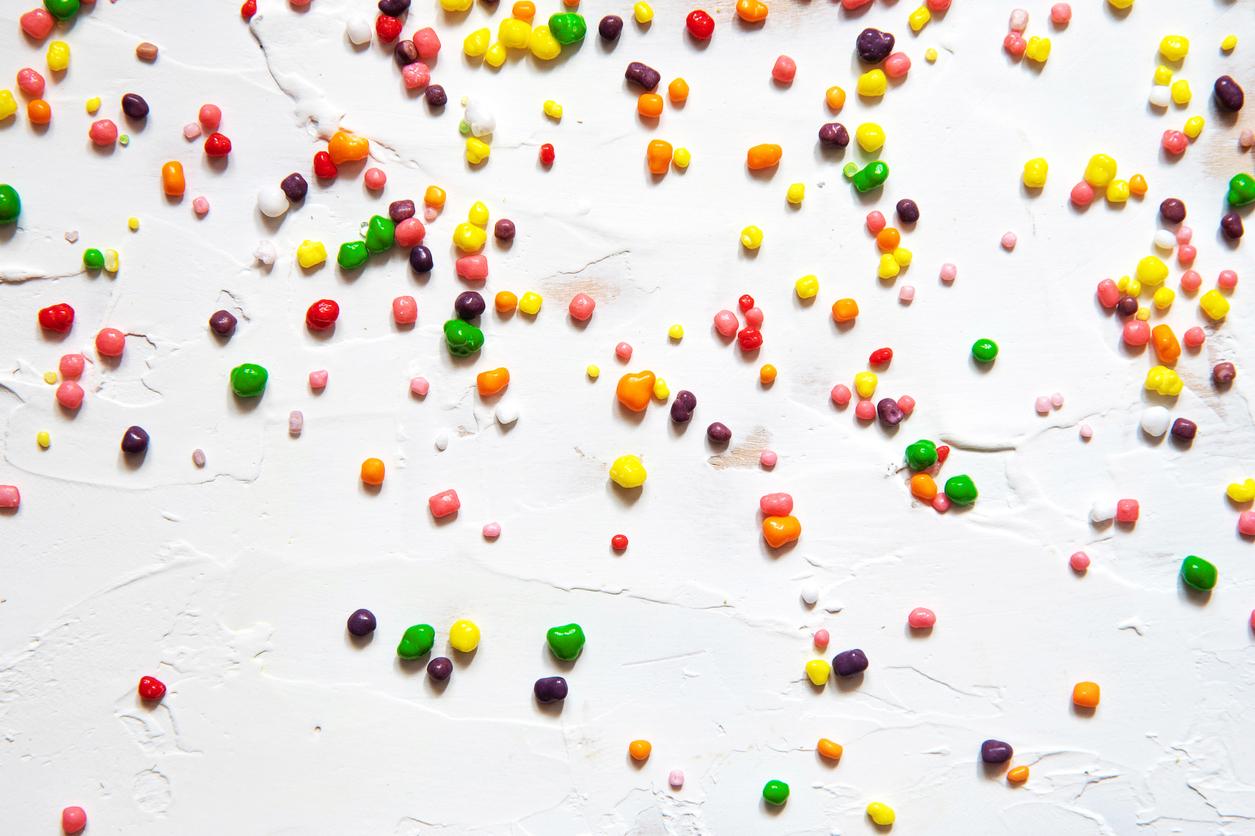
480 119
1165 240
507 413
810 594
1019 20
1155 421
272 202
442 441
265 252
1102 510
358 30
1160 95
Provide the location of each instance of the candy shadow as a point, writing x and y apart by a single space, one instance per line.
917 633
553 708
1083 711
1197 597
983 368
102 150
623 412
628 496
437 686
992 771
462 659
846 684
370 490
771 809
359 642
132 461
447 519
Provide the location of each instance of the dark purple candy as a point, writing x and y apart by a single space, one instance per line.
642 75
504 230
362 623
908 211
469 304
1222 374
719 433
394 8
890 413
420 259
134 440
1229 94
440 668
222 323
687 399
295 186
849 662
610 27
400 210
679 414
550 689
134 106
405 52
1172 210
834 133
1231 226
1127 306
436 96
1184 429
873 45
995 751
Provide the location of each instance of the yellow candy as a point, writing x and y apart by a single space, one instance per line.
530 303
1038 49
888 268
132 223
807 287
796 193
514 33
495 56
751 238
627 472
478 213
1150 271
43 439
464 636
1100 170
872 83
593 371
469 238
1117 191
681 157
1164 381
1214 304
456 5
1163 74
1120 4
1133 287
311 254
1181 92
903 256
919 18
1035 172
643 12
50 378
476 150
58 56
1174 47
552 109
1229 43
676 332
818 671
112 261
92 105
930 55
1193 127
661 390
476 43
865 384
543 44
1143 313
1162 299
882 814
8 104
1242 491
869 136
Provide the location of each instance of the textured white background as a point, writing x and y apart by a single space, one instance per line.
232 583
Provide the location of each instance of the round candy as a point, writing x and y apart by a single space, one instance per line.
134 440
984 350
73 820
921 618
440 668
775 792
248 380
995 751
361 622
1198 573
110 342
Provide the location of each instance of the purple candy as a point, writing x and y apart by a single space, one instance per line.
719 433
849 662
134 440
995 751
294 186
550 689
222 323
440 668
400 210
362 623
890 413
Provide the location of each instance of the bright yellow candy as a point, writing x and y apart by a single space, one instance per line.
92 105
1117 191
919 18
1038 49
132 223
8 104
882 814
514 33
543 44
872 83
1229 43
1181 92
495 56
552 109
1133 287
795 193
530 303
50 377
469 238
807 287
113 261
478 213
1193 127
476 150
818 671
869 136
902 256
1120 4
1100 170
43 439
1163 74
58 56
1242 491
1035 172
311 254
643 12
930 55
1151 271
751 237
888 268
1174 47
627 472
1163 297
681 158
1143 313
1164 381
865 384
593 371
1214 304
476 43
464 636
456 5
676 332
661 390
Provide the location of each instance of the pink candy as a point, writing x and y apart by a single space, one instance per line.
410 233
676 779
1136 332
415 76
210 116
907 404
776 504
1042 405
30 82
754 317
10 496
110 342
1014 44
1108 293
428 43
1246 525
200 205
623 351
581 307
1086 432
1079 561
1018 21
419 386
73 819
37 23
103 132
1186 254
191 130
1082 194
70 394
784 70
941 503
1227 280
71 366
1184 234
318 380
1191 281
821 638
1194 337
1127 511
444 503
1008 241
405 310
472 268
840 394
948 273
1174 142
768 459
726 324
375 179
897 65
865 410
1056 400
492 530
921 618
906 294
875 222
1060 14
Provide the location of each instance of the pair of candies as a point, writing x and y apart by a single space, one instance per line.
419 639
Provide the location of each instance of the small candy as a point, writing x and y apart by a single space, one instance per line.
881 814
1085 695
416 641
1079 561
1174 142
639 750
1154 421
1214 304
834 134
764 156
921 618
984 351
1184 430
550 688
784 70
1198 573
676 777
71 366
768 458
850 662
1241 190
322 315
1229 95
248 380
961 490
1127 510
775 792
110 342
134 440
440 668
70 395
844 310
1194 337
778 531
420 386
37 24
272 202
361 623
700 25
1034 176
873 45
73 819
444 503
1246 527
492 382
718 433
897 65
1180 91
869 136
995 751
1060 15
628 472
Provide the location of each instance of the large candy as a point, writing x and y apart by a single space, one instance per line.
417 641
1198 573
463 338
872 176
345 147
1241 189
628 472
380 234
921 455
566 641
635 390
961 490
567 27
248 380
10 204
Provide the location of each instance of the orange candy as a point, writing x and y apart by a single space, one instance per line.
835 97
39 112
780 530
751 11
923 487
678 91
1086 694
649 105
524 10
173 183
635 390
434 197
639 749
492 381
829 749
1167 349
888 239
658 156
345 147
844 310
763 156
1017 775
372 472
1137 185
767 374
505 302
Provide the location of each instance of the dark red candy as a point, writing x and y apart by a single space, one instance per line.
745 302
750 338
943 453
323 166
546 154
217 145
151 688
248 9
57 318
700 25
880 357
388 27
322 314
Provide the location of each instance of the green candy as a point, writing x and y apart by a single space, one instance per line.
873 176
567 28
775 792
920 455
464 339
1198 573
62 9
1241 189
961 489
419 639
352 255
984 351
566 641
381 233
248 380
10 204
93 259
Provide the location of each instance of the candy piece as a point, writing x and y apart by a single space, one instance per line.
372 472
464 636
550 689
778 531
872 84
1085 695
1198 573
1167 349
1214 304
1127 510
634 390
362 623
961 490
1165 381
639 750
984 351
775 792
492 382
921 618
1241 190
151 689
850 662
870 137
248 380
135 440
760 157
37 24
784 70
1229 94
995 751
345 147
628 472
10 497
463 339
818 671
921 455
110 342
1034 176
73 819
322 315
444 503
69 394
565 642
700 25
440 668
881 814
1154 421
872 176
844 310
417 641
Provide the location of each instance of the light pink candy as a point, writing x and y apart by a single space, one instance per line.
110 342
906 294
428 43
775 504
1227 280
921 618
72 365
1174 142
948 273
430 213
10 496
726 324
1135 332
1246 523
444 503
1082 194
420 386
784 70
821 638
405 310
415 76
907 404
897 65
1008 241
754 317
1194 337
1079 561
1186 253
410 233
1060 14
1191 281
840 394
1086 432
1247 138
768 458
1184 234
200 206
318 379
472 268
1108 293
103 132
1127 510
1018 21
30 82
37 23
70 394
1056 400
210 116
941 503
623 351
492 530
875 222
676 779
581 307
191 130
375 179
865 410
1042 405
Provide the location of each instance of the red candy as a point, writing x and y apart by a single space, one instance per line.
619 542
943 453
745 303
248 9
151 688
444 503
388 27
57 318
217 145
322 314
749 338
546 154
880 357
1175 142
324 167
37 23
700 25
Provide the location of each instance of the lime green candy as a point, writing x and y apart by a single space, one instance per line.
775 792
1241 189
352 255
961 490
93 259
984 351
464 339
62 9
566 641
380 234
1199 573
417 640
872 176
920 455
567 27
10 204
248 380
